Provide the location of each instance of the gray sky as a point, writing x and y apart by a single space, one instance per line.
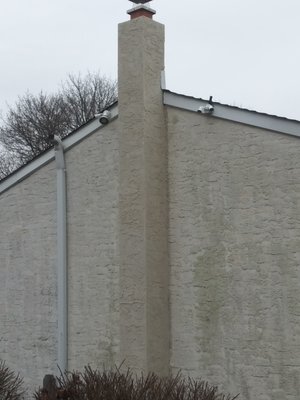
243 52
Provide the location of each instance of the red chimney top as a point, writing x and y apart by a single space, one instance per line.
141 10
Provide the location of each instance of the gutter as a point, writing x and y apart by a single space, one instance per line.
235 114
62 274
73 139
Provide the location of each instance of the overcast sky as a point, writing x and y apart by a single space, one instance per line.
243 52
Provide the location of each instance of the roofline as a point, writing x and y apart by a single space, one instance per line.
236 114
223 111
46 157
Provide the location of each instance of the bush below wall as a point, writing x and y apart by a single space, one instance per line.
11 385
117 385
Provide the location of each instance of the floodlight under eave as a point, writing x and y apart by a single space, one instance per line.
105 117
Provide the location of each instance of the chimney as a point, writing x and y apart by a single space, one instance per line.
141 11
143 207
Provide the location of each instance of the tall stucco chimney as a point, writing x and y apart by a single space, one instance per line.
143 209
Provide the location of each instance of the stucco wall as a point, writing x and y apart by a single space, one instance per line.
93 178
234 247
28 316
28 276
143 229
234 254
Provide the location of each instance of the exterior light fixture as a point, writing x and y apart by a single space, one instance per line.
104 117
206 109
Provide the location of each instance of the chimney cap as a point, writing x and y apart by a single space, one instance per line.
141 11
140 1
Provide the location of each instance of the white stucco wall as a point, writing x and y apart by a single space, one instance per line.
183 245
28 276
28 296
234 248
93 178
235 252
143 229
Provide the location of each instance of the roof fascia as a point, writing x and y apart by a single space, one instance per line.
48 156
253 118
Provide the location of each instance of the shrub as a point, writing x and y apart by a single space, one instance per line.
115 385
11 385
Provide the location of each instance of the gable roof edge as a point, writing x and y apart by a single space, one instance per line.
49 155
235 114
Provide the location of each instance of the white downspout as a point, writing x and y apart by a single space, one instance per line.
62 276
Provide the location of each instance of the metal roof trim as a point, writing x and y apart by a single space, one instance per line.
69 141
236 114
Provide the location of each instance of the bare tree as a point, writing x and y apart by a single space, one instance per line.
7 164
86 96
27 128
28 125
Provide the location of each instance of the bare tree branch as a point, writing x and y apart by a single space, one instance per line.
86 96
27 128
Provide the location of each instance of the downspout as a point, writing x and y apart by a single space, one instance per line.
62 276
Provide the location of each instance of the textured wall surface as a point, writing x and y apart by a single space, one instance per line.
235 255
209 263
28 316
144 276
93 178
28 304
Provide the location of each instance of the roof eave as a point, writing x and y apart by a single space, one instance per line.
235 114
43 159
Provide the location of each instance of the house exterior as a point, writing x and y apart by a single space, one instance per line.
182 248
